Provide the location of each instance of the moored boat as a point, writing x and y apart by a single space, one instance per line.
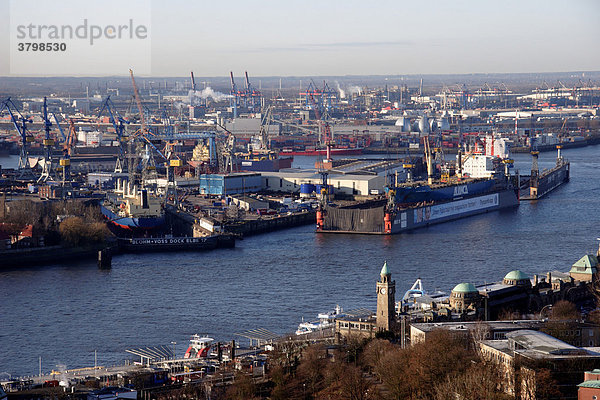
325 320
199 347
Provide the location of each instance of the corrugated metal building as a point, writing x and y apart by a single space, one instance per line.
220 184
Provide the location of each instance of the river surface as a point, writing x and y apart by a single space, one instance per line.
63 313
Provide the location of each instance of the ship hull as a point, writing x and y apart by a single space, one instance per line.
409 195
273 165
266 165
323 152
372 220
132 223
448 211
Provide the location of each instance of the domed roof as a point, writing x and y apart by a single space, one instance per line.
465 288
516 275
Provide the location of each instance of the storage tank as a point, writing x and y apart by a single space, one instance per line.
307 189
404 124
433 127
424 125
443 124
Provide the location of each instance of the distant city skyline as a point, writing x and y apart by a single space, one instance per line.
316 38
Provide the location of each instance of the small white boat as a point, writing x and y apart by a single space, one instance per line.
326 320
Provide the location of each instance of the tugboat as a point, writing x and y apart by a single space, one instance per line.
199 347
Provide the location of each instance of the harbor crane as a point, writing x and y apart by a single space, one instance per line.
193 81
68 142
251 95
235 96
48 143
324 129
20 124
148 163
264 128
138 102
118 124
68 145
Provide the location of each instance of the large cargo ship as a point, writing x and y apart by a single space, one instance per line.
263 161
132 209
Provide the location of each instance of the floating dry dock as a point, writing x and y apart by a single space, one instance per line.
542 184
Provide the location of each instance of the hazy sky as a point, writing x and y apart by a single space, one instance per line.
330 37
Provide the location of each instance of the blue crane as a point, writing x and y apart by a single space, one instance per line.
118 124
20 124
48 145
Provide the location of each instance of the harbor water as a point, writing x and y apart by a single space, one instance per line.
63 313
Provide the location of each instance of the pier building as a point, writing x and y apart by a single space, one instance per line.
516 293
523 353
464 296
585 269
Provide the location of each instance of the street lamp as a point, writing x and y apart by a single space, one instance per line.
173 343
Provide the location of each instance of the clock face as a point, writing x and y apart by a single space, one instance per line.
383 291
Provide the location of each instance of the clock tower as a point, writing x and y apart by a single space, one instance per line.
386 304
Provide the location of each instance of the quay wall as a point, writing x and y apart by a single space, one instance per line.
274 223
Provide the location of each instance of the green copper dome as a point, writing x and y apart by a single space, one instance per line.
385 270
465 288
516 275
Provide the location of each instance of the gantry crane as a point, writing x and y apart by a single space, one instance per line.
20 124
145 152
193 81
118 124
235 95
68 142
48 145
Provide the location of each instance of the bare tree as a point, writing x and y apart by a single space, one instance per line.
479 381
374 351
